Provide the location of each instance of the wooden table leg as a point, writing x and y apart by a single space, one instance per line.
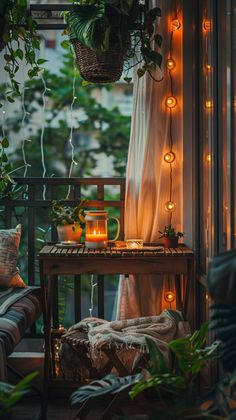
190 308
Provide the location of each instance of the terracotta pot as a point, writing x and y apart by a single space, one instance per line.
66 233
171 242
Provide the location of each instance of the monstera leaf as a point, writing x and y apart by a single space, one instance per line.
89 25
110 384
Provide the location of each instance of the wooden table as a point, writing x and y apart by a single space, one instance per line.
54 260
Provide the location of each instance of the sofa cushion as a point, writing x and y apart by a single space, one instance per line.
9 245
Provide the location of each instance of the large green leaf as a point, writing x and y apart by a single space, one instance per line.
88 24
158 364
110 384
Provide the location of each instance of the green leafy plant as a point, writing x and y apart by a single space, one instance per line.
7 184
170 232
175 387
109 384
10 395
122 25
18 35
62 214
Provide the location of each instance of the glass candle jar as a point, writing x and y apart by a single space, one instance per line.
96 236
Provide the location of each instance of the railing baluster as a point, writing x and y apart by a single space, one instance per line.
31 236
33 205
122 207
8 217
55 311
77 279
100 282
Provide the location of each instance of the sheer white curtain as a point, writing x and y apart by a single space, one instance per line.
147 176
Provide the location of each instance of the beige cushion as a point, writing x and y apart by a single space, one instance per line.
9 245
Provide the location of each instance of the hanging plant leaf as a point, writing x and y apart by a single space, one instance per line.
110 384
88 24
5 143
158 40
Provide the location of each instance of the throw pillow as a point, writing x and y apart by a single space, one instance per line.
9 245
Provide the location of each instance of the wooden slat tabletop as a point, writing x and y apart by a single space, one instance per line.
146 251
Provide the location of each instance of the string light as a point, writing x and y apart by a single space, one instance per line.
73 162
169 157
170 64
175 24
42 135
208 67
170 206
169 296
207 24
209 104
209 158
171 102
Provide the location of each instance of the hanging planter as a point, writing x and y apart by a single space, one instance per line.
105 34
106 67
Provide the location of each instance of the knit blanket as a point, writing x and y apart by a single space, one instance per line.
130 334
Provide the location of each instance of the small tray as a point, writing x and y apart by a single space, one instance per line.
65 245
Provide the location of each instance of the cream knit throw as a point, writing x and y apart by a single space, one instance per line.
132 333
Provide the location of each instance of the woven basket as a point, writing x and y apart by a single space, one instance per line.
98 68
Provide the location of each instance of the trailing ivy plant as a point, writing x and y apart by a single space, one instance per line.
7 184
20 41
123 25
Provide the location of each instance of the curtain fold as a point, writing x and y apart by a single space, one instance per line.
147 175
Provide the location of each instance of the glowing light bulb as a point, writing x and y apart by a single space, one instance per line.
175 24
208 158
209 104
171 102
208 67
170 206
169 157
169 296
207 24
170 64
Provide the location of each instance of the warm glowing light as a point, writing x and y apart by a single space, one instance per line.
209 104
171 102
170 64
169 296
207 24
170 206
234 103
169 157
209 158
208 67
175 24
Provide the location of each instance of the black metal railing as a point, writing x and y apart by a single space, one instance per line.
31 208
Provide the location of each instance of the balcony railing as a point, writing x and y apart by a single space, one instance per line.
31 208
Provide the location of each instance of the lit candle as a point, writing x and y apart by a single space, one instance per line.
69 243
96 236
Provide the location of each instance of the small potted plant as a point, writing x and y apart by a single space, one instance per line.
105 33
170 236
69 221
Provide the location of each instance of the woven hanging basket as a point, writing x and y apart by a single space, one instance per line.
106 67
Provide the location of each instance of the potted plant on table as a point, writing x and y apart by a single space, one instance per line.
104 33
170 236
69 221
